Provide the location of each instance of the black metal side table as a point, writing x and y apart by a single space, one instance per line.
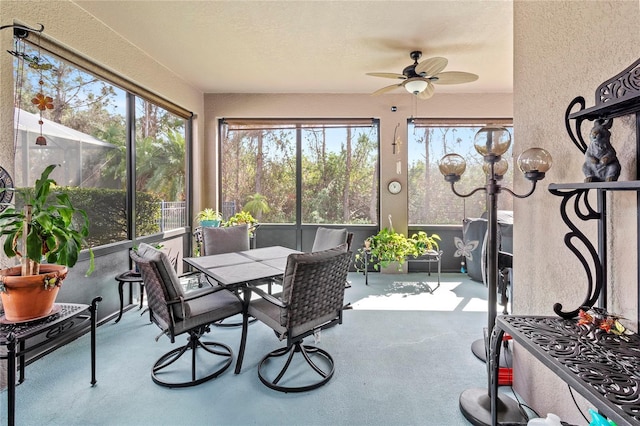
62 326
129 277
601 366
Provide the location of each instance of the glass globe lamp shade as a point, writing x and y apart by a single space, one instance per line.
500 168
452 166
492 141
415 85
534 163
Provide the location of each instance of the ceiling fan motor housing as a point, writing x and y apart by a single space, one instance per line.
410 71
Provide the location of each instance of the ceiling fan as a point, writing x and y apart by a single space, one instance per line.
419 77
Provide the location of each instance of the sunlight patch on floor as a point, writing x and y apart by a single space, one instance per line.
476 305
415 296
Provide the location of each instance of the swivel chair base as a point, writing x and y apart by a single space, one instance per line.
306 351
221 323
192 345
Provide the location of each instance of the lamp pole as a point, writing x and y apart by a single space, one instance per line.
492 143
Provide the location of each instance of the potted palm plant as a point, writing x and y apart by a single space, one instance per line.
209 217
48 228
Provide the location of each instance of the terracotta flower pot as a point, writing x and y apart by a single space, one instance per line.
26 298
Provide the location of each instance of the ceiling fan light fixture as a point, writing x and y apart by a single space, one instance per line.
419 78
416 85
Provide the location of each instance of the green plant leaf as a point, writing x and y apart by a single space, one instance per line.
388 246
56 230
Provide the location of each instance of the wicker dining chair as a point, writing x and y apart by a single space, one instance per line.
176 312
218 240
327 238
311 300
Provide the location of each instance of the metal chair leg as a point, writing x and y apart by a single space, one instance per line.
192 345
306 351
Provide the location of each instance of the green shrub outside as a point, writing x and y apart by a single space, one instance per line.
107 213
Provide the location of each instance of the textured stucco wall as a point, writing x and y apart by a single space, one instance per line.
563 50
72 27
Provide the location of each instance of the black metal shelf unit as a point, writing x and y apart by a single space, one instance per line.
601 366
616 97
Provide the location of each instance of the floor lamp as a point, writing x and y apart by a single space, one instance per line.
492 143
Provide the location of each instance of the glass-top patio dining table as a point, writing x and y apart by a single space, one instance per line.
238 270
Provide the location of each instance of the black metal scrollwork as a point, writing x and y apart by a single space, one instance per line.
623 86
55 332
6 188
604 362
25 327
592 266
575 134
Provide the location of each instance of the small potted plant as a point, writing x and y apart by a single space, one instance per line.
424 243
48 228
209 218
240 218
388 246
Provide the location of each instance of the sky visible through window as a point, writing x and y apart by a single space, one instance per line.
430 198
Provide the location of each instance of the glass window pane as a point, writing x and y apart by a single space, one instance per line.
431 200
337 171
82 122
258 172
339 175
160 169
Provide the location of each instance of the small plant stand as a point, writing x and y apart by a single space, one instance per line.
429 257
130 277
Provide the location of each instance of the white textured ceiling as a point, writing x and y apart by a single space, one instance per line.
315 46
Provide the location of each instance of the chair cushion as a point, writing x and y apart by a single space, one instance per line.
328 238
165 268
167 274
225 240
269 314
474 229
208 309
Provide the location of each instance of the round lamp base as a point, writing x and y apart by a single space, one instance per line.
478 349
475 405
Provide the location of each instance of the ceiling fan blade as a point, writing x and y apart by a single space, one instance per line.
426 93
431 66
455 77
386 89
387 75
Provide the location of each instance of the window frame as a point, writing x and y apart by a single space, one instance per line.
132 91
300 124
